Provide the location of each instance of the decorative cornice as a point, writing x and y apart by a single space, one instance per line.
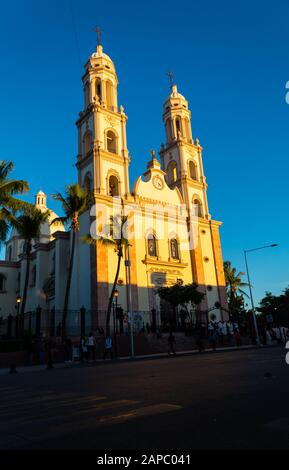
158 262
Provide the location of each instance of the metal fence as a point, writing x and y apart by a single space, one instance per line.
48 323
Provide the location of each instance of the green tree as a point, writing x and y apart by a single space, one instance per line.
277 306
181 295
8 203
116 238
28 226
74 203
234 286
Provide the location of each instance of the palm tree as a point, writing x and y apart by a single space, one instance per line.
234 283
74 203
28 226
117 239
8 203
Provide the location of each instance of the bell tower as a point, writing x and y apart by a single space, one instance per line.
181 159
181 156
102 159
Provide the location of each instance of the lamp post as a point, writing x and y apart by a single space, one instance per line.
115 294
18 302
250 288
129 302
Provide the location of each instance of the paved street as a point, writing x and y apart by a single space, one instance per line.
217 400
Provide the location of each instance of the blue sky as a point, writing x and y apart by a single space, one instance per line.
230 60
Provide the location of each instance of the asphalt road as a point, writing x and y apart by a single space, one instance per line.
211 401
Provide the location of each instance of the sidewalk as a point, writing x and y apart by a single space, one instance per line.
62 365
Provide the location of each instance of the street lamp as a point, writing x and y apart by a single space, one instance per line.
115 294
250 288
18 302
129 302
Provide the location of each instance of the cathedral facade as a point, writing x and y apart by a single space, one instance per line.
173 238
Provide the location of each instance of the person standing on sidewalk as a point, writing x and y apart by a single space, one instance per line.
171 343
108 347
91 346
238 338
212 335
83 349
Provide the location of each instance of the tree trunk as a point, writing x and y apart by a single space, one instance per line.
25 290
68 284
111 295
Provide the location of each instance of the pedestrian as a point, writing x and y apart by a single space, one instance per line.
237 336
212 335
268 337
171 343
230 332
278 335
108 347
83 349
220 332
90 343
224 330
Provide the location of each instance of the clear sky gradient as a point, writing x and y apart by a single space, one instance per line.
230 60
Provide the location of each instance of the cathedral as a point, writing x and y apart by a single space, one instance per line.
173 238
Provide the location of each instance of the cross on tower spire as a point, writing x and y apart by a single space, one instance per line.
171 78
97 30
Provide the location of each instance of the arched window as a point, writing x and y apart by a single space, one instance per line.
197 207
109 97
172 172
178 126
87 143
188 130
174 248
87 182
98 88
152 245
113 185
168 130
193 170
111 142
2 282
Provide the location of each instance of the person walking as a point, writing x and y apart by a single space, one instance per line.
268 337
83 349
220 332
91 346
237 336
212 335
107 347
171 343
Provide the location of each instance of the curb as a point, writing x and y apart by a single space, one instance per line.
144 357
